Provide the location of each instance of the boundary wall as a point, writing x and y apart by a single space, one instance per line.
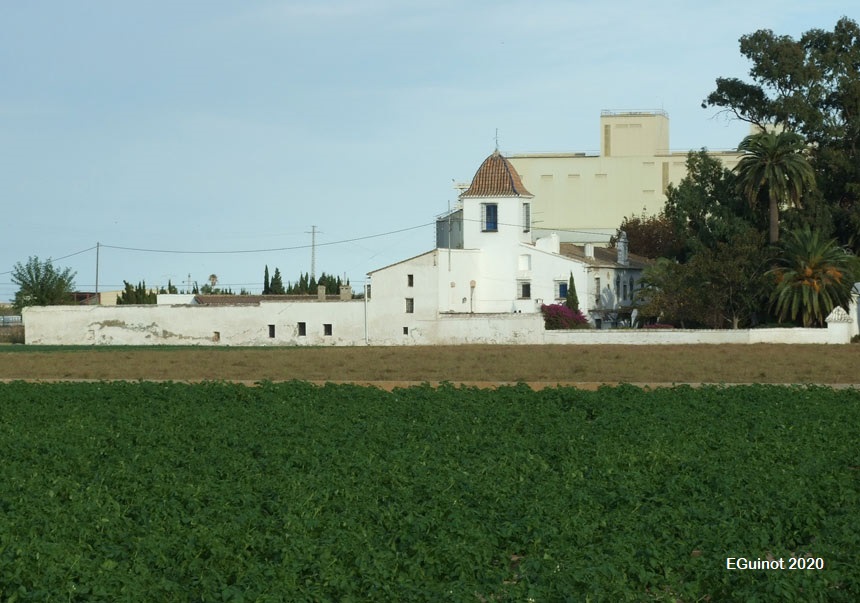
350 323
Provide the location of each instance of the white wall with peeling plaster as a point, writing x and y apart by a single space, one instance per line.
350 323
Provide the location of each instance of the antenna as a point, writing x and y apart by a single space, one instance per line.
497 139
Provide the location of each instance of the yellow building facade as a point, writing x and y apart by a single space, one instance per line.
584 197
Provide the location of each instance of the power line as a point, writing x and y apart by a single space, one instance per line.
293 248
50 259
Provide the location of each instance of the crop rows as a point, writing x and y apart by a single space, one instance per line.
293 492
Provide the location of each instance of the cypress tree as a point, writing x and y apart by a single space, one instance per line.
266 287
276 286
571 300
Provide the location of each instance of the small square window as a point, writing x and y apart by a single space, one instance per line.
561 290
410 305
327 330
410 280
406 330
271 330
303 329
524 289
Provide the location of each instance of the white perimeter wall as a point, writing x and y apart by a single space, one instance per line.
197 325
249 326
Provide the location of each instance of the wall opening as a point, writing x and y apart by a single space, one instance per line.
410 280
406 330
327 330
410 305
271 330
216 336
489 217
524 289
303 329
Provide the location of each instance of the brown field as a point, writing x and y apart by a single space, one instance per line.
459 364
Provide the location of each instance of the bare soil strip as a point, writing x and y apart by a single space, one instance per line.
584 366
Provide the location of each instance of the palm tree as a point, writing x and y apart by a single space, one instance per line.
813 276
774 165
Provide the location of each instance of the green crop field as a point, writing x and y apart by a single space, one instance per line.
147 491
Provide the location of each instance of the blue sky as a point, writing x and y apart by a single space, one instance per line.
228 128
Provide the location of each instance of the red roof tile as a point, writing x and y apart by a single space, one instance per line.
496 178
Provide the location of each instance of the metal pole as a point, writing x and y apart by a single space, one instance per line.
98 299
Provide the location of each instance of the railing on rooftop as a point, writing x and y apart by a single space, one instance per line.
607 113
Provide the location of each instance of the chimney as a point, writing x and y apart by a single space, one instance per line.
345 292
621 244
321 293
589 251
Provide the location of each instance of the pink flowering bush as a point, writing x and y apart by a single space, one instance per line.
559 316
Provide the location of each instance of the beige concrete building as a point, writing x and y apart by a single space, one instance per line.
584 197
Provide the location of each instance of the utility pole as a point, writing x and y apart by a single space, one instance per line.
98 300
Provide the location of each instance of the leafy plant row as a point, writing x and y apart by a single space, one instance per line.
293 492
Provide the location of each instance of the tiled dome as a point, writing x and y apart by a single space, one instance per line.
496 178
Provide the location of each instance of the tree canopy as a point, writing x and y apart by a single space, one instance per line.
42 284
710 271
810 86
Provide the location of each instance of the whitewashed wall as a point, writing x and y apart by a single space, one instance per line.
197 325
687 336
360 323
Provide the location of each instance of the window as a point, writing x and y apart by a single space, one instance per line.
410 305
527 217
406 330
597 291
303 329
410 280
525 262
489 217
327 330
617 285
630 284
271 330
561 289
524 289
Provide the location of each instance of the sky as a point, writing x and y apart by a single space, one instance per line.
171 140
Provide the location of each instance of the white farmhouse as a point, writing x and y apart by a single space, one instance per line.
487 263
484 282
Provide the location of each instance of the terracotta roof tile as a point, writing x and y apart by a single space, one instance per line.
496 178
603 256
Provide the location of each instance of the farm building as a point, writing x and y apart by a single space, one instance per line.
487 286
484 282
